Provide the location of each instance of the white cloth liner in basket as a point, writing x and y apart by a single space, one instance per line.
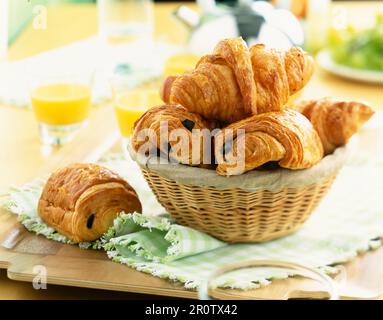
272 180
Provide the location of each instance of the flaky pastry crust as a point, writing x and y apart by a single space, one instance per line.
336 121
160 128
285 137
81 201
235 81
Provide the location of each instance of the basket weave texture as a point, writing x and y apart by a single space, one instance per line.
236 215
254 207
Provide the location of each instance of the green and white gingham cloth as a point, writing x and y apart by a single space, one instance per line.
349 221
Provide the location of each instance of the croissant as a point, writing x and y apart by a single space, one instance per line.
218 89
172 131
81 201
278 75
286 137
335 120
236 82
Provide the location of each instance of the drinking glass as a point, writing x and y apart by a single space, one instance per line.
304 282
131 100
125 20
61 103
180 63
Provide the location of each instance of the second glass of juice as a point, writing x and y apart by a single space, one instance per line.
61 105
130 103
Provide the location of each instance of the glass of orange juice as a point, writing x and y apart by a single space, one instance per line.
180 63
61 104
131 101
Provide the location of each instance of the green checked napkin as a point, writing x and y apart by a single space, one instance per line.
157 239
349 221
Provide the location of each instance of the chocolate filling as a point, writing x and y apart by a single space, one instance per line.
271 165
226 149
188 124
89 222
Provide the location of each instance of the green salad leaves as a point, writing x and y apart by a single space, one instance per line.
359 49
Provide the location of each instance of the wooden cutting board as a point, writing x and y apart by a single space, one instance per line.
68 265
21 251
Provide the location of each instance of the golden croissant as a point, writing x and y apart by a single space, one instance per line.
171 130
286 137
236 82
81 201
335 120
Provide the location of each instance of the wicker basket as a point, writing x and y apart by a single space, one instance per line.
238 212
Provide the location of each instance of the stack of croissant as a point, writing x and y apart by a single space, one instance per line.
238 87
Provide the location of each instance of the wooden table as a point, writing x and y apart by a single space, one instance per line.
22 155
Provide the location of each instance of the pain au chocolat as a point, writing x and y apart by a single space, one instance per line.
81 201
285 137
174 131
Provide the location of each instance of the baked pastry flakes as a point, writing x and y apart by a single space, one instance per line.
236 82
172 131
285 137
81 201
335 120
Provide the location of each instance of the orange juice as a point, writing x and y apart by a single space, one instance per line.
61 103
131 105
180 63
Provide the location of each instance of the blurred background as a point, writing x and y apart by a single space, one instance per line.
21 12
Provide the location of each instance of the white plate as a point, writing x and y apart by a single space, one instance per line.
327 63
